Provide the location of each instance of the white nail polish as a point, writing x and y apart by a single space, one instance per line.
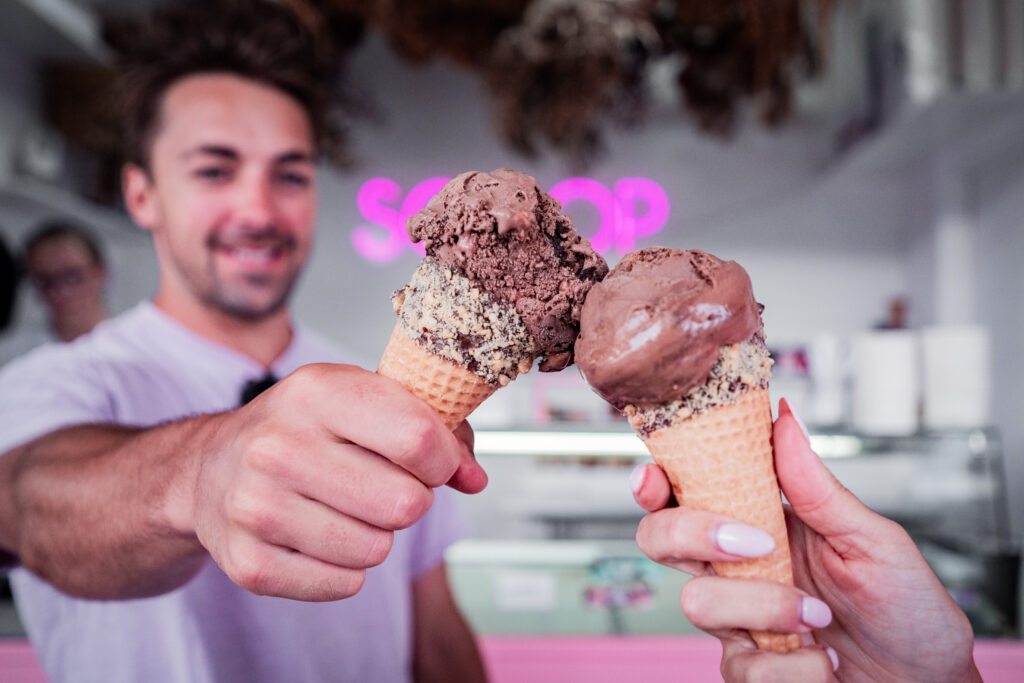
832 656
814 612
636 479
742 540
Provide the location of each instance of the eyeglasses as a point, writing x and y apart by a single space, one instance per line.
255 387
68 277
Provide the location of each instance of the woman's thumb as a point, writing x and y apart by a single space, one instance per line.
813 492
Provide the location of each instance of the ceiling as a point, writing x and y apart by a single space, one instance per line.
879 49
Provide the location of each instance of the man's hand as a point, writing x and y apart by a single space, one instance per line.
301 490
890 618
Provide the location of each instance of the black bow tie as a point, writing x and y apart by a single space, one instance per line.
255 387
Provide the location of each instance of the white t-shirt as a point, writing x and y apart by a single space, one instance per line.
143 368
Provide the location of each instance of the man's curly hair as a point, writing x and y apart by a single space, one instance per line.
256 39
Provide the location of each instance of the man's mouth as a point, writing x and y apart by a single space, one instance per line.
254 256
260 252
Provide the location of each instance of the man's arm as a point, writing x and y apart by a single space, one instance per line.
86 508
444 648
293 495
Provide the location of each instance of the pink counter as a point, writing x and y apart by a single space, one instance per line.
670 658
597 660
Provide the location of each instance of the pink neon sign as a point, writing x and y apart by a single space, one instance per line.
619 225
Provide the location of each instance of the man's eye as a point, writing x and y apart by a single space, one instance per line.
212 173
295 179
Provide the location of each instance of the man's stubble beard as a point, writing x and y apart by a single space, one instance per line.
219 297
232 299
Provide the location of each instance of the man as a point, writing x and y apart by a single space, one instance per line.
66 267
158 525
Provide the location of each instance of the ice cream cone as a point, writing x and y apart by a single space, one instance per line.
450 389
720 460
501 286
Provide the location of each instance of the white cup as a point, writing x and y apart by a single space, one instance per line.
957 376
829 363
886 382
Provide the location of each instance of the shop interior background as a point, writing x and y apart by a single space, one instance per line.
899 178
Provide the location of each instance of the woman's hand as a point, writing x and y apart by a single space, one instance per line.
890 619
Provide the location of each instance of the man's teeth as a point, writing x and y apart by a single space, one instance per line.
253 255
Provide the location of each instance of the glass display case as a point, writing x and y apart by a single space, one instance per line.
552 550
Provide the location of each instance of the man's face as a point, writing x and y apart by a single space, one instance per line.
231 194
66 276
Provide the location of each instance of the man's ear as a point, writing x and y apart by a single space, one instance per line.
139 198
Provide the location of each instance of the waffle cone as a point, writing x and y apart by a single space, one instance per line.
450 389
721 461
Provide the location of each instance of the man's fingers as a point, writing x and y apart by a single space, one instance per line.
650 486
679 536
324 534
742 662
361 484
281 572
469 477
715 603
382 416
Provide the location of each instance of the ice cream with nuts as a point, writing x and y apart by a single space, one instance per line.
502 284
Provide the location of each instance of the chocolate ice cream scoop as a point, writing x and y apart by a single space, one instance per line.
654 328
507 236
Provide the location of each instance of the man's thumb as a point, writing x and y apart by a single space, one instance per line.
813 492
469 477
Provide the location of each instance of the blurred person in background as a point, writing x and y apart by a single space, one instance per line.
64 263
174 511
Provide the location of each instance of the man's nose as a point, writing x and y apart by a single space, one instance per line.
255 202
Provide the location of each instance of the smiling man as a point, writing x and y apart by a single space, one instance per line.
163 531
229 196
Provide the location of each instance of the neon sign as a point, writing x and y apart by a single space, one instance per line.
382 204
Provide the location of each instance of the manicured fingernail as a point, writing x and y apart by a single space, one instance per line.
636 479
833 656
742 540
814 613
796 416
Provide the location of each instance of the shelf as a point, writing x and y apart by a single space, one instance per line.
53 199
614 440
